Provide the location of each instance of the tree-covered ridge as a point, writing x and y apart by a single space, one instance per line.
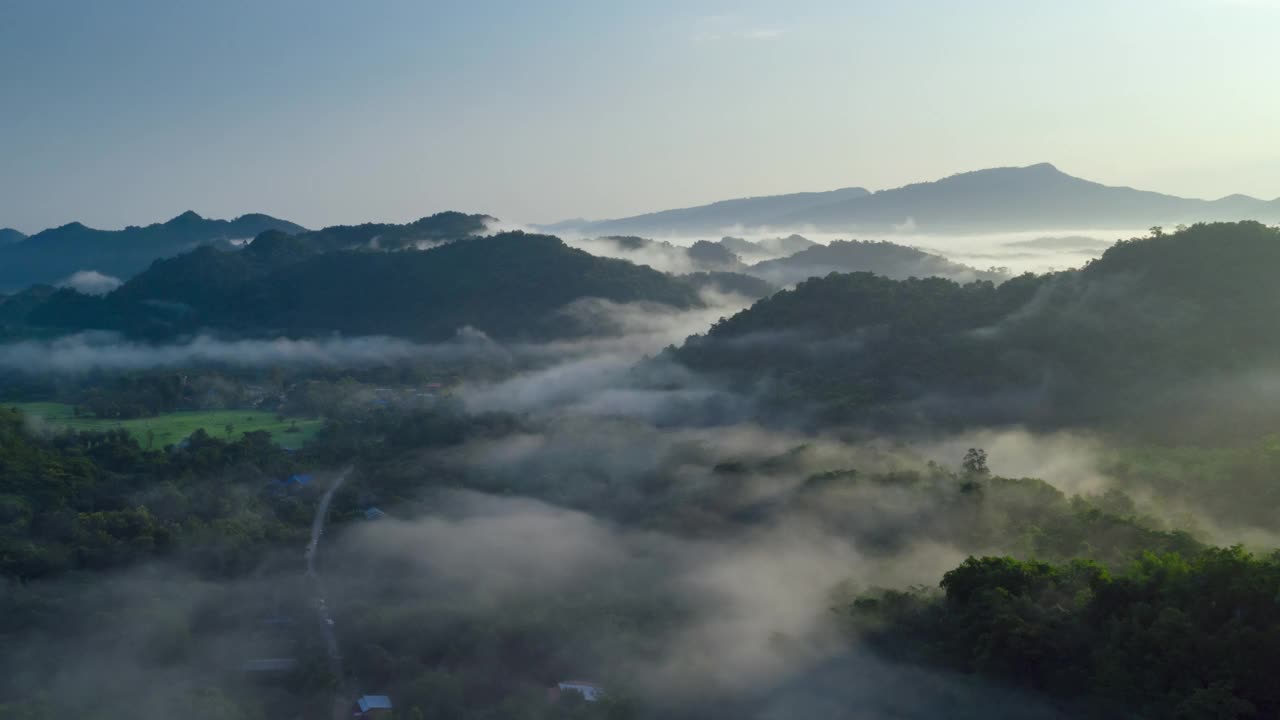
15 308
1171 636
1133 331
510 285
54 254
860 344
787 260
891 260
420 234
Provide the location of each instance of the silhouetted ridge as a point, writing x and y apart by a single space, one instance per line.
1034 197
512 285
51 255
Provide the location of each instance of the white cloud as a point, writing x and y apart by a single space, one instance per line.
90 282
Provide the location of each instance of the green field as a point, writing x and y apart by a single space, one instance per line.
169 428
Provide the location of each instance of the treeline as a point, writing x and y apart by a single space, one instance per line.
1143 340
52 255
510 285
93 501
1184 636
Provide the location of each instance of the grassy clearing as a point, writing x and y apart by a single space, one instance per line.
170 428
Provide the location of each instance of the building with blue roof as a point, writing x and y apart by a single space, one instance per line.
373 706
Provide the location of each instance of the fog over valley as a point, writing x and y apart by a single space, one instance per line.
832 399
705 477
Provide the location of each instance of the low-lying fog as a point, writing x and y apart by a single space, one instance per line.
750 611
1029 251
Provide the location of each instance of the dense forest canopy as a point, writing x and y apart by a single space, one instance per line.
816 409
52 255
890 260
509 285
1142 331
794 510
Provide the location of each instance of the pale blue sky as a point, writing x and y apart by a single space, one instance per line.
131 111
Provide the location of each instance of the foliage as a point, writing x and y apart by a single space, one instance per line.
883 258
1173 636
54 254
1140 340
510 285
97 500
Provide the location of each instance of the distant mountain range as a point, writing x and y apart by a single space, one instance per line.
1036 197
747 212
52 255
785 260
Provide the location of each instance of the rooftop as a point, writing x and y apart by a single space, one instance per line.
374 702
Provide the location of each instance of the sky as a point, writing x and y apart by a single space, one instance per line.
132 111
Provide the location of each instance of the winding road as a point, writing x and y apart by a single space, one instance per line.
341 697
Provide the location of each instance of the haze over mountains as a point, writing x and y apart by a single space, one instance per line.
505 398
54 254
1144 331
1036 197
785 260
509 285
750 212
891 260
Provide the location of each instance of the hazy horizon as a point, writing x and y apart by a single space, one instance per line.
133 112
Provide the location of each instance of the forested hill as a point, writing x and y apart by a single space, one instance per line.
54 254
509 285
882 258
1154 325
420 234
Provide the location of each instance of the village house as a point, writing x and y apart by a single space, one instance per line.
589 691
372 706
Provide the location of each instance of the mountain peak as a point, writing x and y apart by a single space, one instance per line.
187 217
996 179
1043 167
